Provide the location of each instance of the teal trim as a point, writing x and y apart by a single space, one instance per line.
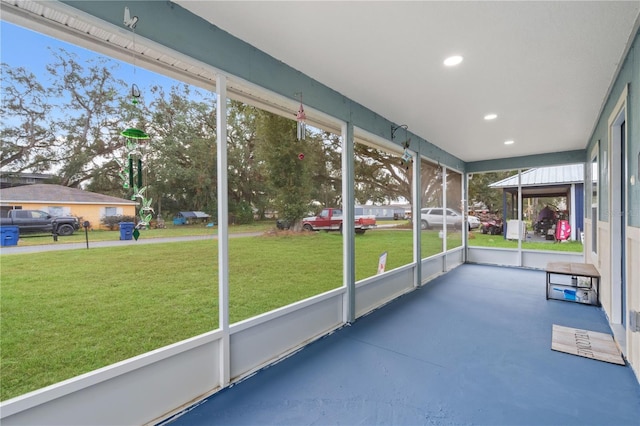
629 74
526 162
633 137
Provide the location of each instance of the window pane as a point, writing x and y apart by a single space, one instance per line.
299 183
487 202
455 222
119 302
383 181
431 209
545 209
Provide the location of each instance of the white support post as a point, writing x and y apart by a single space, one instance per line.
444 219
520 221
465 216
223 230
416 203
348 218
572 212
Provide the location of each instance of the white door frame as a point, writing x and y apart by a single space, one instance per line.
617 218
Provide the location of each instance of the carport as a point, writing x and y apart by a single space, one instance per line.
183 218
546 182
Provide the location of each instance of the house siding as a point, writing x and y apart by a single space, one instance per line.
628 78
91 212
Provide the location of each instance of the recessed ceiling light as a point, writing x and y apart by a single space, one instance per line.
453 60
508 142
491 116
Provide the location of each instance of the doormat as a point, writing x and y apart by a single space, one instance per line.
588 344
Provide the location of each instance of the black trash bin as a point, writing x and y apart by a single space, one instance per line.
126 230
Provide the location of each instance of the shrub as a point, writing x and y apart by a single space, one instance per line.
112 222
241 213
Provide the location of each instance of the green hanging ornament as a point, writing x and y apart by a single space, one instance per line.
133 133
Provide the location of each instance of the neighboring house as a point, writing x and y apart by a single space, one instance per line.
386 212
566 182
60 200
8 179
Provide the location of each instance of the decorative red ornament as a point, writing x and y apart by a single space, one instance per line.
301 156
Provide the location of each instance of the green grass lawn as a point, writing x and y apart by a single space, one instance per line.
64 313
498 241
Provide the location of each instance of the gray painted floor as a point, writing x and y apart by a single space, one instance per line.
473 347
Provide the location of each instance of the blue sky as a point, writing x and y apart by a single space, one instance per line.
20 47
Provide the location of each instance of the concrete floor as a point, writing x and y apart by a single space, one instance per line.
473 347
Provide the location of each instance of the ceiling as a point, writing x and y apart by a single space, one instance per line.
543 67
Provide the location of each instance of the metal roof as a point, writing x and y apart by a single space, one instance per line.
49 193
195 214
545 176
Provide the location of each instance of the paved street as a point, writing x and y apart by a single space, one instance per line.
76 246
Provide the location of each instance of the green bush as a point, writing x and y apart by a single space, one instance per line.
241 213
112 222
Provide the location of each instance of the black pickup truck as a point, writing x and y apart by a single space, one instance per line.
36 221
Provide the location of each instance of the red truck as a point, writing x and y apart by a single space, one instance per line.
330 219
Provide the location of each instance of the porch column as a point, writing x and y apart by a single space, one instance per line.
572 211
416 204
444 219
520 221
223 229
348 217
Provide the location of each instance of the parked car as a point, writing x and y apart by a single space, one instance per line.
36 221
434 217
330 219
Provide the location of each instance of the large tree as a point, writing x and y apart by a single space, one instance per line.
90 103
380 176
71 127
28 135
480 191
248 189
181 155
289 175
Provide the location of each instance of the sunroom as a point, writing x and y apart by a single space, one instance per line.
440 94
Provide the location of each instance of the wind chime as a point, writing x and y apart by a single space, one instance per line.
301 118
407 157
131 179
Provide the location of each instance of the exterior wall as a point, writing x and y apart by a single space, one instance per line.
628 79
633 294
90 212
94 212
603 263
633 140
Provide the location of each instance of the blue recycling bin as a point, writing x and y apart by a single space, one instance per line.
126 230
9 236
